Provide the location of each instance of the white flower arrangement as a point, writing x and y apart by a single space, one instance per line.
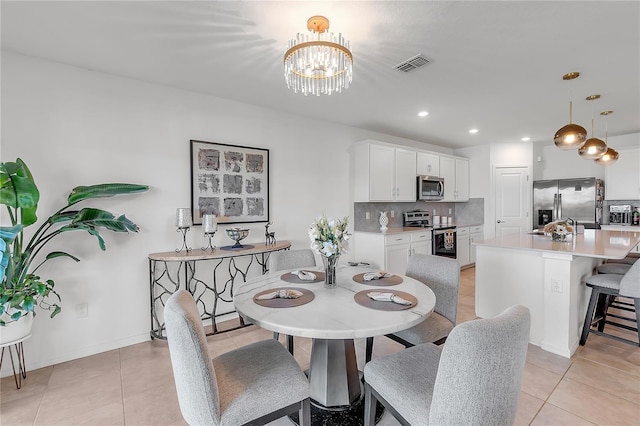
560 227
558 230
329 237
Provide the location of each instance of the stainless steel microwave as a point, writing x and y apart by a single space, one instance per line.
430 188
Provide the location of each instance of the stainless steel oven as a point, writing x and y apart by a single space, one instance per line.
444 241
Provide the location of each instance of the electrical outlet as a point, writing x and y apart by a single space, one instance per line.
393 213
367 215
82 310
449 211
556 285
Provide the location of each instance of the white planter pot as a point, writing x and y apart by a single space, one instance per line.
16 330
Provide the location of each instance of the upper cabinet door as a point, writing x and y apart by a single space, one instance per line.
405 175
448 173
428 164
462 180
622 179
381 173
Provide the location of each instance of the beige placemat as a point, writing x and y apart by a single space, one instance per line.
292 278
307 296
392 280
362 299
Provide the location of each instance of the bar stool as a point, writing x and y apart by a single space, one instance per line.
16 345
603 288
630 259
613 268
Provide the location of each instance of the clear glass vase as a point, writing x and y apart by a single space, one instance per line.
330 263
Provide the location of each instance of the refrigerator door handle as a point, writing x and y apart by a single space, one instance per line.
554 214
559 207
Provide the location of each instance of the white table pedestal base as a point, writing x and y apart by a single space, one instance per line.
333 372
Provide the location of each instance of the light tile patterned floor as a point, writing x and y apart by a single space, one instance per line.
134 385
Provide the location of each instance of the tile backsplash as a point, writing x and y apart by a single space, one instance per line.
469 212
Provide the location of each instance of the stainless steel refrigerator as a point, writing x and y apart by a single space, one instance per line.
579 199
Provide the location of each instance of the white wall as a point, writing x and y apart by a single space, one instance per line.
77 127
553 163
482 161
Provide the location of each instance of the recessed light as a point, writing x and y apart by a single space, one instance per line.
423 114
473 131
526 139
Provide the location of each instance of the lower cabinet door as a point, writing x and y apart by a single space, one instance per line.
396 258
421 247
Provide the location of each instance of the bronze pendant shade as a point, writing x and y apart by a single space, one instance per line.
592 149
570 136
609 157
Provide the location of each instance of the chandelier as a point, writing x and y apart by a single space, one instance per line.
318 63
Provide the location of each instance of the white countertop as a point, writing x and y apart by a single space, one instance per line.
593 243
333 313
400 230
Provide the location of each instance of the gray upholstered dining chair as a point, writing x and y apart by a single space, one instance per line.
255 384
474 379
442 276
290 259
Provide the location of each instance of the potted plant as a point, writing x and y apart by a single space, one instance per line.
21 289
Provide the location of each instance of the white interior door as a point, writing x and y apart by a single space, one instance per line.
512 197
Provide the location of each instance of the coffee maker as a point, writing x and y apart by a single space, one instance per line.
620 215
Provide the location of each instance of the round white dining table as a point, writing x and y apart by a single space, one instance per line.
333 319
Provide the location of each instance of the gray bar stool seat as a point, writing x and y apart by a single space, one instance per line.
613 268
605 288
629 260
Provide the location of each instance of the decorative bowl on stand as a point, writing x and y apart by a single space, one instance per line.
237 234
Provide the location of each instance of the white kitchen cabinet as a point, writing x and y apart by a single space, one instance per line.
462 180
455 172
427 164
383 173
421 243
622 179
396 258
390 252
476 233
462 245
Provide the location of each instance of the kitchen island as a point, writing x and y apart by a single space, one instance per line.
547 277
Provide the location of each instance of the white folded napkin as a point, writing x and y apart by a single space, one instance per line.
375 275
305 275
281 294
387 297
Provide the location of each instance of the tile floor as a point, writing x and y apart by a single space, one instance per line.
134 385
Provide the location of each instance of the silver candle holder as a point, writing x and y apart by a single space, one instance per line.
209 226
183 223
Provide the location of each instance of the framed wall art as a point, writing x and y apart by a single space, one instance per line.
230 181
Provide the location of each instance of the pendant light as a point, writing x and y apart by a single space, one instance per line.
572 135
593 148
611 156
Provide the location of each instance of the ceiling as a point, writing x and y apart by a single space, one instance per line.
496 66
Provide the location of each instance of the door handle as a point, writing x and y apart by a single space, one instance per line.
500 221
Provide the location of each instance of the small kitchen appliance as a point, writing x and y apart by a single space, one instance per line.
430 188
620 215
416 218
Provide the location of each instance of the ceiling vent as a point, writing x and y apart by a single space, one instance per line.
412 63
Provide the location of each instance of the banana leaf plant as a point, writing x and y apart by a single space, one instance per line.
22 289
